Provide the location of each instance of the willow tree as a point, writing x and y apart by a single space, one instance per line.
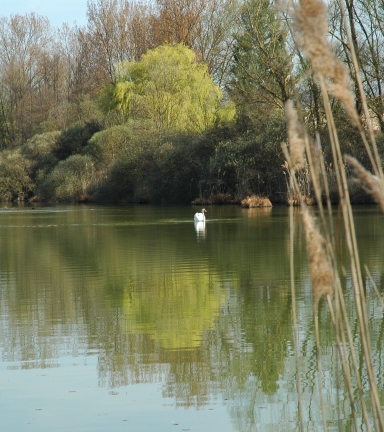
170 88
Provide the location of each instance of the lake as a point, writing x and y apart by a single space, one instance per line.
125 318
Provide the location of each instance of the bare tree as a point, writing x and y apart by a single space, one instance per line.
27 75
176 21
117 30
214 42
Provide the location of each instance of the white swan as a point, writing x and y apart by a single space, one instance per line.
200 217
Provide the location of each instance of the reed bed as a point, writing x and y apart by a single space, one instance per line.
255 201
327 270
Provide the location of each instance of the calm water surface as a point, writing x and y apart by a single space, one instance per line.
127 319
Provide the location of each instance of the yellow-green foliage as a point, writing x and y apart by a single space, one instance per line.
198 305
69 179
106 145
38 150
169 87
40 145
15 182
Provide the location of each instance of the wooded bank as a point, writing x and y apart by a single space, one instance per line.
169 101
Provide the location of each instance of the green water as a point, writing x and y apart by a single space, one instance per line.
128 319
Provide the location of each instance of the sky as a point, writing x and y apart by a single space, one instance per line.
57 11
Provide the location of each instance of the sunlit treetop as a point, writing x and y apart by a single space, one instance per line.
169 87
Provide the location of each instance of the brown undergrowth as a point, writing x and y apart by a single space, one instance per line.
220 198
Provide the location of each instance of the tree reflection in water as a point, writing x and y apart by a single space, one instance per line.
206 317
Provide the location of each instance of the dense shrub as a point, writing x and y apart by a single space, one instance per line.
179 162
39 151
250 161
134 163
73 140
15 182
156 168
126 179
176 167
106 145
40 145
70 179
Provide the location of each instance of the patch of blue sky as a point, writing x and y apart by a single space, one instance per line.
58 11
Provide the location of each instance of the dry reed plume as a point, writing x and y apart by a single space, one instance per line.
295 200
295 136
319 266
371 183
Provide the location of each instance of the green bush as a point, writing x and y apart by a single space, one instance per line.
127 175
249 161
38 150
69 179
163 168
15 182
105 146
179 161
73 140
40 145
176 167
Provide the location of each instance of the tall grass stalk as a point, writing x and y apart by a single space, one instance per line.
295 188
294 318
338 311
378 295
310 29
350 236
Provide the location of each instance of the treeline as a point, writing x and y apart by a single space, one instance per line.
168 101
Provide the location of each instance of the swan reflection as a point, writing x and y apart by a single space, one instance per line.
200 229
